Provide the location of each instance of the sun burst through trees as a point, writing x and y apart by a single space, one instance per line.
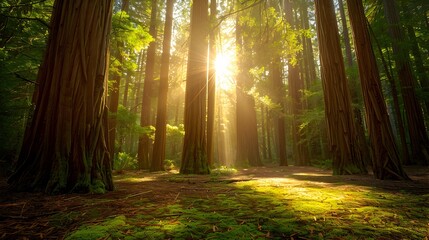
225 65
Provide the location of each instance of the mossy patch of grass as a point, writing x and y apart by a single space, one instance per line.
276 208
109 228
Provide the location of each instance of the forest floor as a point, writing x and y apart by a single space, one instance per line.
254 203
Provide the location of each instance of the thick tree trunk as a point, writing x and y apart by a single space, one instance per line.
158 156
194 154
66 147
211 84
385 156
344 144
144 141
419 138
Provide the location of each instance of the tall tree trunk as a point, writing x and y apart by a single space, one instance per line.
247 134
344 144
114 94
263 133
385 156
66 147
175 143
310 65
296 87
161 116
422 75
419 138
145 118
346 38
126 89
194 154
137 96
211 83
397 110
278 90
268 129
221 137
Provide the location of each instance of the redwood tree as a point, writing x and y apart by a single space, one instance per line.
211 83
296 87
144 141
385 156
194 154
65 147
343 139
413 111
247 133
278 91
158 155
114 91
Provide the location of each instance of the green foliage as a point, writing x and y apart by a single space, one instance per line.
124 161
223 170
23 34
128 124
127 39
175 131
169 164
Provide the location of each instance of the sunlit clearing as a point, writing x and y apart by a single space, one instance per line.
225 67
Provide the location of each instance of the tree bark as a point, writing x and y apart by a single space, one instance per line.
158 156
144 141
247 134
114 93
211 83
344 144
296 87
66 147
346 38
194 154
419 138
385 156
279 92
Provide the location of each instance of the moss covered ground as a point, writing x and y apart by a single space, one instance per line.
259 203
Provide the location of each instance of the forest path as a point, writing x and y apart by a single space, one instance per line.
249 203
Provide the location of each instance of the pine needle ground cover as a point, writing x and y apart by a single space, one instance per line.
260 203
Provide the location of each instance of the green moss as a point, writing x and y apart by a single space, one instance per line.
108 228
97 187
62 219
272 208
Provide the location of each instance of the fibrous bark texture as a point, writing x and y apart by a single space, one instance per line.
65 147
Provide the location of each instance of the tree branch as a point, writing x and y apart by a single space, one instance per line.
25 79
28 18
